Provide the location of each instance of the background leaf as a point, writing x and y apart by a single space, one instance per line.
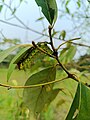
49 9
1 6
6 52
12 64
67 54
39 97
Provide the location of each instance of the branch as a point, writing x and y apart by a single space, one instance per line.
55 53
32 86
68 41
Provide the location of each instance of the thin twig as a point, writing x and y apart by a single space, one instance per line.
32 86
68 41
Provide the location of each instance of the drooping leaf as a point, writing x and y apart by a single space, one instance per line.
49 9
39 97
67 54
6 52
12 63
80 109
71 53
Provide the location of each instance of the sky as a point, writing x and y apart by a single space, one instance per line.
28 13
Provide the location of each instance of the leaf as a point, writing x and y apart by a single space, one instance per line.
38 97
62 35
84 111
79 3
6 52
14 10
54 33
1 6
74 105
12 63
49 9
71 53
67 54
80 109
67 2
67 10
21 1
39 19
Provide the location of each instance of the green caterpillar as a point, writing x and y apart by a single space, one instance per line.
31 56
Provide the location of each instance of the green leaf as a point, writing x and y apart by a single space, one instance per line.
62 35
39 97
1 6
12 63
39 19
71 53
6 52
67 2
79 3
14 10
49 9
67 10
80 109
84 109
54 33
74 105
67 54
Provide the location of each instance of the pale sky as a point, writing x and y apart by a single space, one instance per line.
28 13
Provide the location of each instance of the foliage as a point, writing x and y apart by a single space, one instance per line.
41 88
81 106
49 9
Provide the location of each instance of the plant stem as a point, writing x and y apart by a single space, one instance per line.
32 86
55 53
73 76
